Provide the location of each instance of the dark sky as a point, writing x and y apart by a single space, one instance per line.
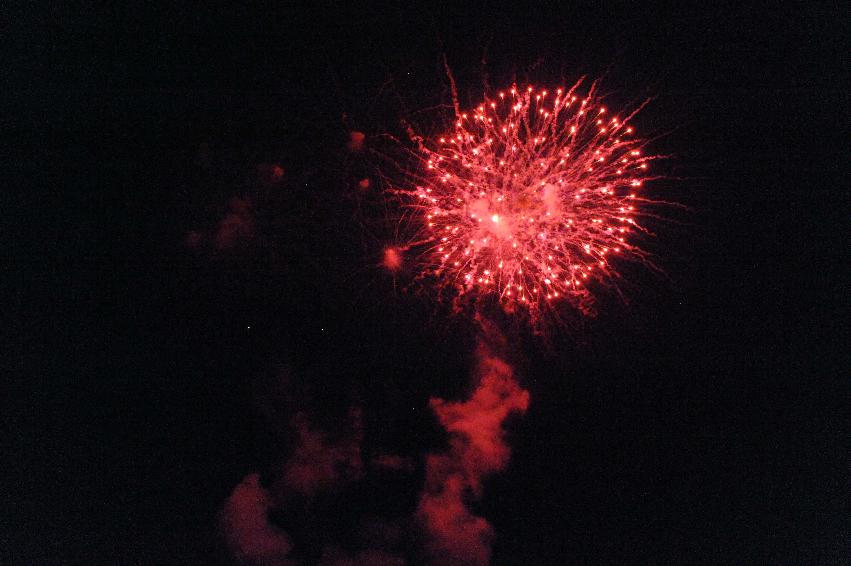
706 421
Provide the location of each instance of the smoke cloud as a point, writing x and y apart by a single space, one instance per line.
317 464
477 449
237 226
245 525
437 527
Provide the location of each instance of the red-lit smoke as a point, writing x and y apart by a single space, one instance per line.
245 525
318 464
237 226
321 465
477 448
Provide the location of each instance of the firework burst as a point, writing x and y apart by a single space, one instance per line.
530 198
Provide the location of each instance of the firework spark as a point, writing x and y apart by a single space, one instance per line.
530 197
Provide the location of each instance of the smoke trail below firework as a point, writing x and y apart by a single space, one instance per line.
477 449
530 198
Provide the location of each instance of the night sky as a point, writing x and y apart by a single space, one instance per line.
195 269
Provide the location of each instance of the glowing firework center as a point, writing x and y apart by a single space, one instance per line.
530 196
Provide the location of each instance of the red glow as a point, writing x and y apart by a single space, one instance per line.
237 226
270 174
392 259
530 194
356 140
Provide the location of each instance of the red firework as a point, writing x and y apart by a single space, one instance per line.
530 197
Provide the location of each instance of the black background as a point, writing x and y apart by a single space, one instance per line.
706 421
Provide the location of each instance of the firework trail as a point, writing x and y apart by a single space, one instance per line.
529 198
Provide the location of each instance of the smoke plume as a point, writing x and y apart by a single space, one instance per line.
245 525
477 448
315 485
